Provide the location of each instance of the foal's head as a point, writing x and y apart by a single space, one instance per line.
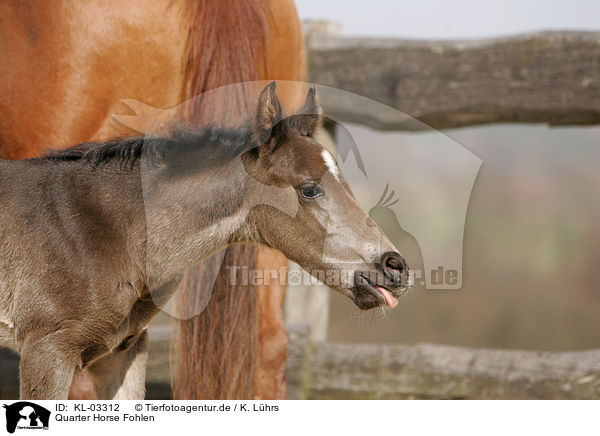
330 235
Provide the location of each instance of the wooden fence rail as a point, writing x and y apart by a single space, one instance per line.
384 371
549 77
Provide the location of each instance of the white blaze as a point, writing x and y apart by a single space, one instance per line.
331 165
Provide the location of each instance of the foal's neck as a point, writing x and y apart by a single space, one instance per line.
189 218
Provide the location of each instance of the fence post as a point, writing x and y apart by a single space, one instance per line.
298 372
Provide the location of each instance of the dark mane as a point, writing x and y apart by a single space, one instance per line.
213 143
122 149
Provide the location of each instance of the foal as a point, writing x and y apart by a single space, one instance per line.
94 239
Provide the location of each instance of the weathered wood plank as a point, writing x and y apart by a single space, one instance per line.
297 373
353 371
549 77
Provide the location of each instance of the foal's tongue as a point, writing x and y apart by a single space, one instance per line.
389 298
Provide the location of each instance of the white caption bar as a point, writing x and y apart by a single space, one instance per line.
299 417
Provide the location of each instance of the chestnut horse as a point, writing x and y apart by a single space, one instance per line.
66 66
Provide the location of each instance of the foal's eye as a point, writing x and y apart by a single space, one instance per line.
311 192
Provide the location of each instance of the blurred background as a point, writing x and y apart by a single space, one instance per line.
530 279
531 242
459 19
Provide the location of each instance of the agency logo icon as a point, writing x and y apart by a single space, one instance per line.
24 415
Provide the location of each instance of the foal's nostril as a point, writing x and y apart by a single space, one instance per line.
394 266
393 263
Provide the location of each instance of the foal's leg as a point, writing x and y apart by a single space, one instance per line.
45 371
121 375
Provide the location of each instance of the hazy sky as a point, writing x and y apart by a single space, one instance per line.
453 18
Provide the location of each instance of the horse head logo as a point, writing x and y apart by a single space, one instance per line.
24 414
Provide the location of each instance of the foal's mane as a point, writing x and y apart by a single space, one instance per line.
210 142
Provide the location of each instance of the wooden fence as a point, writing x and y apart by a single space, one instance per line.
548 77
385 371
324 370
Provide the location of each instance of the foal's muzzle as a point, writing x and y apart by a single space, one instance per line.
383 286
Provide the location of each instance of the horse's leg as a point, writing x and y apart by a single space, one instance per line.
121 375
272 338
45 371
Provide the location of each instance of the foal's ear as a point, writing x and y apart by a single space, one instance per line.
309 115
268 113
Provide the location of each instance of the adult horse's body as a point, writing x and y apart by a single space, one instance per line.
65 67
94 240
